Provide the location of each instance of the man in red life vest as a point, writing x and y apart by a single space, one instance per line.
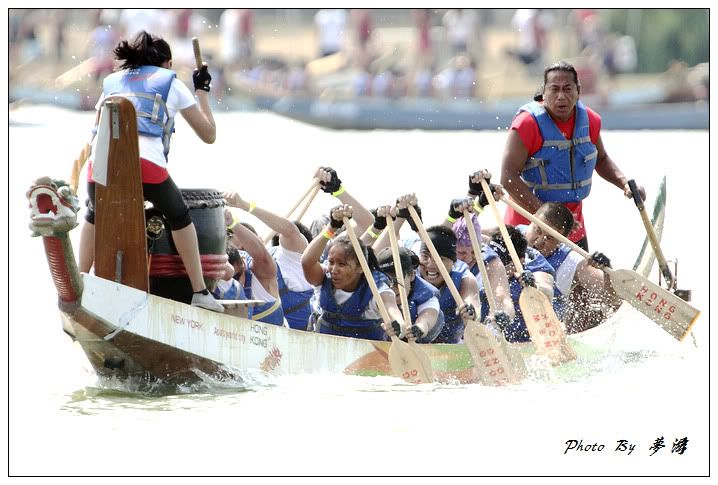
553 148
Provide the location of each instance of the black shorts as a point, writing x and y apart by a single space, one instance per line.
165 196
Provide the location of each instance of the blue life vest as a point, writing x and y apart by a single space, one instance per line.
453 330
517 331
556 259
295 304
421 292
561 170
147 87
347 319
269 312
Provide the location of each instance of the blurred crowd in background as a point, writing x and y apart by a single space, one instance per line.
433 53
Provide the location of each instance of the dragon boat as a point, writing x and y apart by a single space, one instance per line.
131 326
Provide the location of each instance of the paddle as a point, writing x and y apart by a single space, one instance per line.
489 358
310 193
670 312
514 356
662 264
197 52
426 371
404 362
77 167
544 327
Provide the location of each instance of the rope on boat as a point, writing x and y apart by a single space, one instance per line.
171 265
127 317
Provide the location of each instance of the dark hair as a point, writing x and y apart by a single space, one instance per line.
302 228
145 50
557 216
232 254
561 66
408 260
517 240
444 241
343 240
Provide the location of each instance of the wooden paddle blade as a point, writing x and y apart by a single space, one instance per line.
512 352
427 373
671 313
120 235
492 363
545 329
407 364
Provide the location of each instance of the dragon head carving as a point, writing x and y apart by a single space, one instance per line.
53 207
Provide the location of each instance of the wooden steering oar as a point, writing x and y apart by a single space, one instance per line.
671 313
403 361
544 327
427 372
491 361
309 195
197 52
662 264
517 361
77 167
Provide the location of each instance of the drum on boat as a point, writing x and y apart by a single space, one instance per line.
168 277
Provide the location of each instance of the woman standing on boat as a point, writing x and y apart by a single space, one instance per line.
346 304
552 150
146 79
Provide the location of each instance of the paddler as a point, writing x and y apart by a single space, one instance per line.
346 306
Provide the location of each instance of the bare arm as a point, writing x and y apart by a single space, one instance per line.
263 265
544 282
500 285
199 117
313 270
289 236
361 214
427 319
512 164
469 291
389 300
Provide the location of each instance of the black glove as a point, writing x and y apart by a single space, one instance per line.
475 188
528 278
416 332
404 214
335 223
502 319
379 221
397 328
201 78
453 213
478 191
470 310
600 260
334 183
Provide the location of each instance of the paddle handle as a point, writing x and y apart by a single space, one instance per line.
662 264
367 272
435 255
313 189
546 228
502 227
197 52
476 246
398 270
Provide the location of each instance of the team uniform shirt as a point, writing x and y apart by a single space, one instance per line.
563 279
291 265
152 151
341 296
526 126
